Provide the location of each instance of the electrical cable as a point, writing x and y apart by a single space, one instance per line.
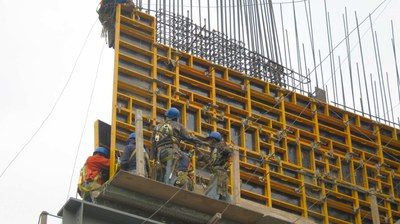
86 118
154 213
54 106
337 45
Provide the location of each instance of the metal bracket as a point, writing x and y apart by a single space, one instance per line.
278 99
349 156
180 93
356 210
215 219
281 134
119 106
245 122
187 104
317 145
157 91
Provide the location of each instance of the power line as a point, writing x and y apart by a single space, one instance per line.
86 118
54 106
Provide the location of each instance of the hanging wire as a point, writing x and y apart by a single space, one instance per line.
84 125
55 104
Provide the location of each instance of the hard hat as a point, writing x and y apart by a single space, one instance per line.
132 136
102 150
172 113
215 135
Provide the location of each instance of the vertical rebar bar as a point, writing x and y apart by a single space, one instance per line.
359 87
275 32
333 58
346 31
267 31
283 35
383 87
290 58
377 102
341 81
165 20
377 65
311 35
362 63
305 66
390 97
373 94
330 51
322 73
395 61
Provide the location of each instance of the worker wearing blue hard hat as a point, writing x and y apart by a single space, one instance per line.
219 164
171 163
128 158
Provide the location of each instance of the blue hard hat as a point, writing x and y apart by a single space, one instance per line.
102 150
172 113
216 135
132 136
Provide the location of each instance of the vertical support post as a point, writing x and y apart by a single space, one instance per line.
374 207
235 176
43 217
139 143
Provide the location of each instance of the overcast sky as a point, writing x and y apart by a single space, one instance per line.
43 50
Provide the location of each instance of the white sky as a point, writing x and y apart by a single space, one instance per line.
41 41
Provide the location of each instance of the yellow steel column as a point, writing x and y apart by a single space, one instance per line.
352 170
115 83
154 71
213 96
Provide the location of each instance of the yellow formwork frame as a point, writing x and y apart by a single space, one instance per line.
306 156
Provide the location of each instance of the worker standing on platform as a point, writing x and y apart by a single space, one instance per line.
128 158
106 11
171 163
94 174
220 158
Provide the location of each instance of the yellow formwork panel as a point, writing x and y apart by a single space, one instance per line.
296 153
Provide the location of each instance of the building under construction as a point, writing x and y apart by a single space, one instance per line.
297 159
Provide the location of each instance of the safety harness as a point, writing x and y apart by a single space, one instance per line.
86 183
145 155
165 139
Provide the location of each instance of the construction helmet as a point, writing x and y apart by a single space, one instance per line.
172 113
102 150
131 136
215 135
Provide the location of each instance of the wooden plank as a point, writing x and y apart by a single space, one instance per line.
139 143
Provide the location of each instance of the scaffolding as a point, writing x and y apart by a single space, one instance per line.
296 153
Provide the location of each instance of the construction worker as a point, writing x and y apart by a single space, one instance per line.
219 164
128 158
171 163
106 11
94 174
